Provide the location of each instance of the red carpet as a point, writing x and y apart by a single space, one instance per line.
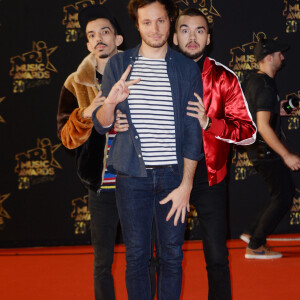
62 273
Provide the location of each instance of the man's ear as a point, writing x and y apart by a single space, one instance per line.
175 40
119 40
208 40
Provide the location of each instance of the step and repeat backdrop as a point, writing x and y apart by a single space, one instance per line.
42 202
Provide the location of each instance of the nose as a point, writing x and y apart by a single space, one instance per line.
192 35
99 37
282 57
154 27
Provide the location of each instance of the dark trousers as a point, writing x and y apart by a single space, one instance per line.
211 207
138 204
281 188
104 221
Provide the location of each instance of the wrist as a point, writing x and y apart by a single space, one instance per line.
208 124
187 185
83 114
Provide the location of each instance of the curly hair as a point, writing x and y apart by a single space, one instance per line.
134 5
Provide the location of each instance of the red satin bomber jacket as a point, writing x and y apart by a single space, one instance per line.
232 122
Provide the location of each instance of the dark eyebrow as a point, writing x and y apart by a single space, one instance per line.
106 27
199 27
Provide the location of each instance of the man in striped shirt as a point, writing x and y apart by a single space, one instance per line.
155 159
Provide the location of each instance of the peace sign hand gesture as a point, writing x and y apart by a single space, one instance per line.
120 90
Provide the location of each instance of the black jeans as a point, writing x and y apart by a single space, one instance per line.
211 207
104 221
281 188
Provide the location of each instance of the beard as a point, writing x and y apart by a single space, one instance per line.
104 55
156 44
190 55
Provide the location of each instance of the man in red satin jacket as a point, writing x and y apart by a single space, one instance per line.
225 118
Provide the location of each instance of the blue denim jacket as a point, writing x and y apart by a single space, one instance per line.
125 154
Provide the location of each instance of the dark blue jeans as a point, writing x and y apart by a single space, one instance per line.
281 190
104 221
211 206
138 204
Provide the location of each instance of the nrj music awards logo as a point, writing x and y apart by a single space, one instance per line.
70 20
1 118
292 14
243 60
81 215
295 210
32 68
206 6
3 213
243 167
293 117
37 165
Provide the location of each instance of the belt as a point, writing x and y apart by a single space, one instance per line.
159 167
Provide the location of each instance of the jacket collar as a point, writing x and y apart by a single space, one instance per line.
135 53
208 64
86 72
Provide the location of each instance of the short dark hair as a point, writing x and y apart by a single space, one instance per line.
134 5
94 12
193 12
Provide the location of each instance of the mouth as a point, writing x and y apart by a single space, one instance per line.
192 46
156 37
100 46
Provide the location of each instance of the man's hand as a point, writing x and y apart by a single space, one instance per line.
121 123
292 161
199 111
180 197
120 90
98 100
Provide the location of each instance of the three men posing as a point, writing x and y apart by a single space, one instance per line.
156 158
224 119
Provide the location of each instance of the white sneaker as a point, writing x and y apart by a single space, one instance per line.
245 237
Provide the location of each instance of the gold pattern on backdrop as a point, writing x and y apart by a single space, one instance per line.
37 165
3 213
70 20
295 210
243 59
1 118
206 6
32 68
293 118
292 14
192 219
243 167
81 215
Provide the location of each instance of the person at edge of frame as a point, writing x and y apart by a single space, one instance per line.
80 95
269 156
156 157
225 118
